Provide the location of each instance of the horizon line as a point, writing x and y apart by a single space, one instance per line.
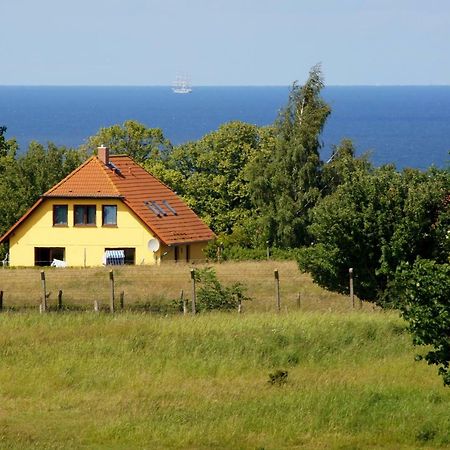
217 85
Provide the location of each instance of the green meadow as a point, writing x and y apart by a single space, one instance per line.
138 380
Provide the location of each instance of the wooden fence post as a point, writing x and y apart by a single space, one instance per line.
60 302
96 307
239 306
111 283
1 300
183 302
122 299
352 296
299 304
44 293
277 289
219 253
194 293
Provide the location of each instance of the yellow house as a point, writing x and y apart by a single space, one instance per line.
107 211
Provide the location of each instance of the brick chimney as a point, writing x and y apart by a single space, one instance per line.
103 154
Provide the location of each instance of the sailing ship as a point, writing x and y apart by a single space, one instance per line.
181 85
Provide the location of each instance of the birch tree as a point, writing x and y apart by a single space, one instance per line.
286 179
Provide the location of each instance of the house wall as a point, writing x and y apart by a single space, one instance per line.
84 245
167 253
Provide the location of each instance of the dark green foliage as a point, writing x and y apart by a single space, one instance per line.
422 292
2 141
285 177
372 223
428 433
278 378
218 251
8 149
343 166
212 295
133 139
210 173
28 176
41 168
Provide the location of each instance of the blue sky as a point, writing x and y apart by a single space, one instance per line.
224 42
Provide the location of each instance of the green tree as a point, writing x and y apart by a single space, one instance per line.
422 293
286 179
30 175
8 149
343 166
375 222
210 173
133 139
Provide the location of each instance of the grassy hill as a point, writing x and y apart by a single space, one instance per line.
80 380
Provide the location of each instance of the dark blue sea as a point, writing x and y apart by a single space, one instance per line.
407 126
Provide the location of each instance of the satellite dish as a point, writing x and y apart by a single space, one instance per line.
153 245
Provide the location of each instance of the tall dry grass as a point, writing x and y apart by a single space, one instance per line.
160 285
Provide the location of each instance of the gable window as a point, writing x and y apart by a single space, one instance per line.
109 215
59 215
84 215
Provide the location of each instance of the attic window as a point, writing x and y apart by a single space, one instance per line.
152 209
159 208
170 208
109 215
113 167
84 215
59 215
156 209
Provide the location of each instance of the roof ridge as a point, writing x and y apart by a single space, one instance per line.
150 173
103 166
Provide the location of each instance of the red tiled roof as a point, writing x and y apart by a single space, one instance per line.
137 186
88 180
175 223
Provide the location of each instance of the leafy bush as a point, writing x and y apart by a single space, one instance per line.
212 295
375 222
422 293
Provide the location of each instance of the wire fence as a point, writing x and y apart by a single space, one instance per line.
158 288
